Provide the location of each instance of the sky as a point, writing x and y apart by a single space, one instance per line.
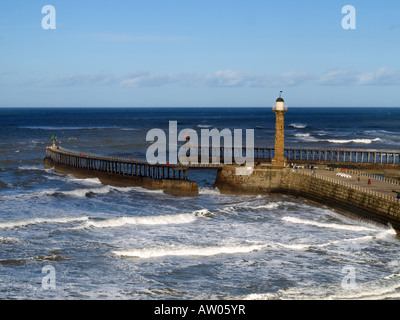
208 53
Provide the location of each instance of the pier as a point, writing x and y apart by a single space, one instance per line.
370 187
121 171
115 165
363 158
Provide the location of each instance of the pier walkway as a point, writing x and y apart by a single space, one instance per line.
115 165
357 180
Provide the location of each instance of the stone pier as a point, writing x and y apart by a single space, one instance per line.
360 199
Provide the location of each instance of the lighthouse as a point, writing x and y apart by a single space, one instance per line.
279 109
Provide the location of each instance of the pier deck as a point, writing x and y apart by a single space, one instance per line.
379 186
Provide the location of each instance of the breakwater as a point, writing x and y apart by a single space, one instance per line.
316 186
121 172
379 204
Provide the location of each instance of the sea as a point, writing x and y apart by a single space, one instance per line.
77 239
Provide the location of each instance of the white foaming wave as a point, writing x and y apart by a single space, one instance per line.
23 223
389 233
369 291
85 181
7 240
129 129
298 125
244 206
209 191
299 246
204 126
38 168
363 141
307 137
258 296
186 251
358 293
81 193
384 288
138 189
326 225
65 128
272 205
181 218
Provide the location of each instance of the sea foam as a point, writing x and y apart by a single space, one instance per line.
186 251
181 218
326 225
23 223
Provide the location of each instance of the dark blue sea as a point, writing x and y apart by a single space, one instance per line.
103 242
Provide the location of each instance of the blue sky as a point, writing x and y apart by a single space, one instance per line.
199 54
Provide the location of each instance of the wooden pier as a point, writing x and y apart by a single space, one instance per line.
359 157
121 171
115 165
334 155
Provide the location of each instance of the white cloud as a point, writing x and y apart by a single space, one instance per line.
381 77
225 79
71 80
221 78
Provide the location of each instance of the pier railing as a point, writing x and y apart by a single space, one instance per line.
311 154
345 184
329 155
372 176
115 165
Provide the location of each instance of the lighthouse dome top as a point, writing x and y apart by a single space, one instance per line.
280 99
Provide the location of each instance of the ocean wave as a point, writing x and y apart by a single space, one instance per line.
246 206
375 290
20 261
310 138
33 168
37 142
181 218
81 192
362 141
4 184
307 137
327 225
8 240
204 126
258 296
67 128
129 129
298 125
186 251
23 223
86 181
213 191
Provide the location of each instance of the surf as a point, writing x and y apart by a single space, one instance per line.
182 218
